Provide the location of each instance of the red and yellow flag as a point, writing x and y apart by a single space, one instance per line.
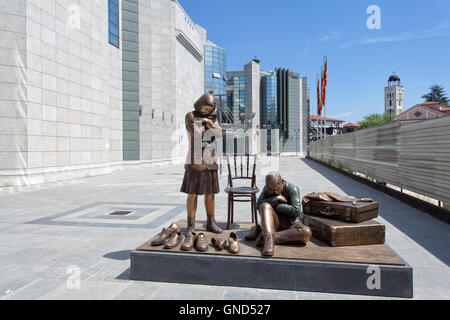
324 82
319 98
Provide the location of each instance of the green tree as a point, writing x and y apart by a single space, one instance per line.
375 120
437 94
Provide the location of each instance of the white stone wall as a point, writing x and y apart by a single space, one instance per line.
190 86
171 77
73 82
145 78
61 87
13 89
156 68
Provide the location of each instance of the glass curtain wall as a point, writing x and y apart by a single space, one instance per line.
269 106
236 101
215 69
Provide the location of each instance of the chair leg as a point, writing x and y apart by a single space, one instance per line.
228 212
232 209
253 210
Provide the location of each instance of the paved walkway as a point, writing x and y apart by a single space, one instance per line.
46 229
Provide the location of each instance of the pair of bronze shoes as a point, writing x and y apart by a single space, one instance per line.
195 239
233 242
170 237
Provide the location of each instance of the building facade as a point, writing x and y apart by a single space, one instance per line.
215 68
275 100
89 87
269 101
394 96
293 106
236 97
350 127
330 126
424 111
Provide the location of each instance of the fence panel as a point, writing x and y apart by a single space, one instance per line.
414 156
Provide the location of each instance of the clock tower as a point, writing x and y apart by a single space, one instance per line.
394 99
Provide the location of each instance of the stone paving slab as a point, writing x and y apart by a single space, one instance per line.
35 257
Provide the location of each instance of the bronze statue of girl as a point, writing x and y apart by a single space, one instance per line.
201 169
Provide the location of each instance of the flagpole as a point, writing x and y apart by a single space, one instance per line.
325 101
323 124
317 120
321 93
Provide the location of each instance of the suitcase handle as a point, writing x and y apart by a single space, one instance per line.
328 213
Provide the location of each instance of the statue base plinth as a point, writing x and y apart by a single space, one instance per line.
365 270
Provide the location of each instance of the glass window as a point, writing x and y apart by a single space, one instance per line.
113 22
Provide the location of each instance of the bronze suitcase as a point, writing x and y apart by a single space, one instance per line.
345 211
340 234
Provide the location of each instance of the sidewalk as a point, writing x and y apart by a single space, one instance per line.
46 229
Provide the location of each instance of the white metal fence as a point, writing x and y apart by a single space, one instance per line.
415 156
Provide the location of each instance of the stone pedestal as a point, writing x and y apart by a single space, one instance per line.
367 270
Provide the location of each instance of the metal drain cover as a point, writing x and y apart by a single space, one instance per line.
120 213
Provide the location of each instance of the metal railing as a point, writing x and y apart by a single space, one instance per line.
313 131
413 156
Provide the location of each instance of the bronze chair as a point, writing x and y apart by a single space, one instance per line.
241 194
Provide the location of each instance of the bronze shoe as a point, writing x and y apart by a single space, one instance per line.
174 240
296 234
268 250
233 242
188 243
220 244
200 243
190 225
211 226
260 240
253 233
165 234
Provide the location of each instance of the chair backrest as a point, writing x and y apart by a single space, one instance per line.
241 168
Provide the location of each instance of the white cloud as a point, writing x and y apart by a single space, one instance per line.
439 31
331 37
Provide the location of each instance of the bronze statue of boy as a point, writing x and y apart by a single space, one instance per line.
280 208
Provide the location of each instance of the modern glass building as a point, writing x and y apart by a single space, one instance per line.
269 103
236 99
215 68
273 100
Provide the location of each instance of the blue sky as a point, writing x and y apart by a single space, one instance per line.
414 40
